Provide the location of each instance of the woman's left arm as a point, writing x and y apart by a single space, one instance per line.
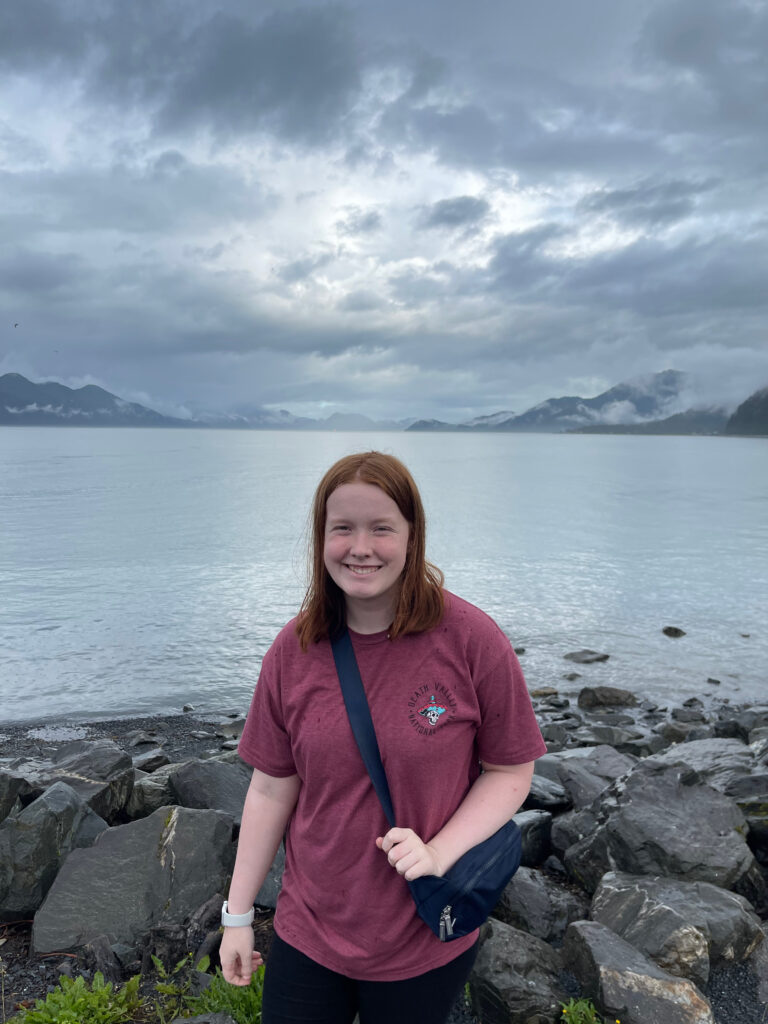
495 797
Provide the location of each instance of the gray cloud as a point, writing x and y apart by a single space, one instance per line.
359 222
438 215
301 269
165 193
648 203
296 73
455 213
40 35
28 273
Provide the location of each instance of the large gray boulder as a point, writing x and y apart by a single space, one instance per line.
683 926
592 697
35 841
98 770
152 792
718 761
626 985
152 872
546 795
213 784
740 722
733 768
661 820
535 828
615 736
535 903
516 978
584 772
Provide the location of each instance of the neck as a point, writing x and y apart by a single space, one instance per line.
369 617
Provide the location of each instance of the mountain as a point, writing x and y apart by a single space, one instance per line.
24 403
693 421
253 417
433 425
644 398
644 405
751 417
487 422
355 421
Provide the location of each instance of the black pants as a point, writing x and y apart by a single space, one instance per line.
299 991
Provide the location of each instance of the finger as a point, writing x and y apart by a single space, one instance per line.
406 862
412 873
395 836
397 853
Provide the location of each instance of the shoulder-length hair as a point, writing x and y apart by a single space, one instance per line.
420 605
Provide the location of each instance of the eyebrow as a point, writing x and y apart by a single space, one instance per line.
388 519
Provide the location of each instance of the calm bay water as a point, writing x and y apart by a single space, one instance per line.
141 570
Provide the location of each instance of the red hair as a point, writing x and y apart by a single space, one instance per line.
420 605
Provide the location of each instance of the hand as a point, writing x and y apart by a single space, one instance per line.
408 855
238 958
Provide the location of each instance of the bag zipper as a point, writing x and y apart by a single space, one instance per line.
446 923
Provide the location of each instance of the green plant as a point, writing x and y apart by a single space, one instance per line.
172 988
76 1002
242 1003
581 1011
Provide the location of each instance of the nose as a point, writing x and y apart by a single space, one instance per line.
361 545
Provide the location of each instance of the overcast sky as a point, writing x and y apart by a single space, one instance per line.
400 209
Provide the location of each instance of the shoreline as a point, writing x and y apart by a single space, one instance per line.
172 732
193 734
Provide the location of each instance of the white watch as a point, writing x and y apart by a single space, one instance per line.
235 920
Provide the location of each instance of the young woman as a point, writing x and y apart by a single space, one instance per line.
446 694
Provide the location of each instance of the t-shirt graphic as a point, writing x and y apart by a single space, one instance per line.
432 711
431 707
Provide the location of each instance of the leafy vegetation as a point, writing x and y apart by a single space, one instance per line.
242 1003
77 1002
581 1011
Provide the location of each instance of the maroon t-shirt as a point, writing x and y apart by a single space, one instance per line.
440 702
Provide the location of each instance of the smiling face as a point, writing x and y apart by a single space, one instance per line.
365 548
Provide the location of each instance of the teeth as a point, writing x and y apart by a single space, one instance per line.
362 570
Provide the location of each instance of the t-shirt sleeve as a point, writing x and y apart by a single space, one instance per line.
509 732
265 743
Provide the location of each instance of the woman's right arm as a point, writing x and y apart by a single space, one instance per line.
269 804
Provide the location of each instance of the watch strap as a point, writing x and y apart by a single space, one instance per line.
236 920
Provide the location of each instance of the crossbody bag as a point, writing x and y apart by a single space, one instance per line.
461 900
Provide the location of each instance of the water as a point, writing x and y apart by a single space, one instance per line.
141 570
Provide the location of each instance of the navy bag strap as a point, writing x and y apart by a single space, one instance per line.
359 715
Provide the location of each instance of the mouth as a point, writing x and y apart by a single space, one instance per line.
362 570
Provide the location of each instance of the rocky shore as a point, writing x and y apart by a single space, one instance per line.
644 883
